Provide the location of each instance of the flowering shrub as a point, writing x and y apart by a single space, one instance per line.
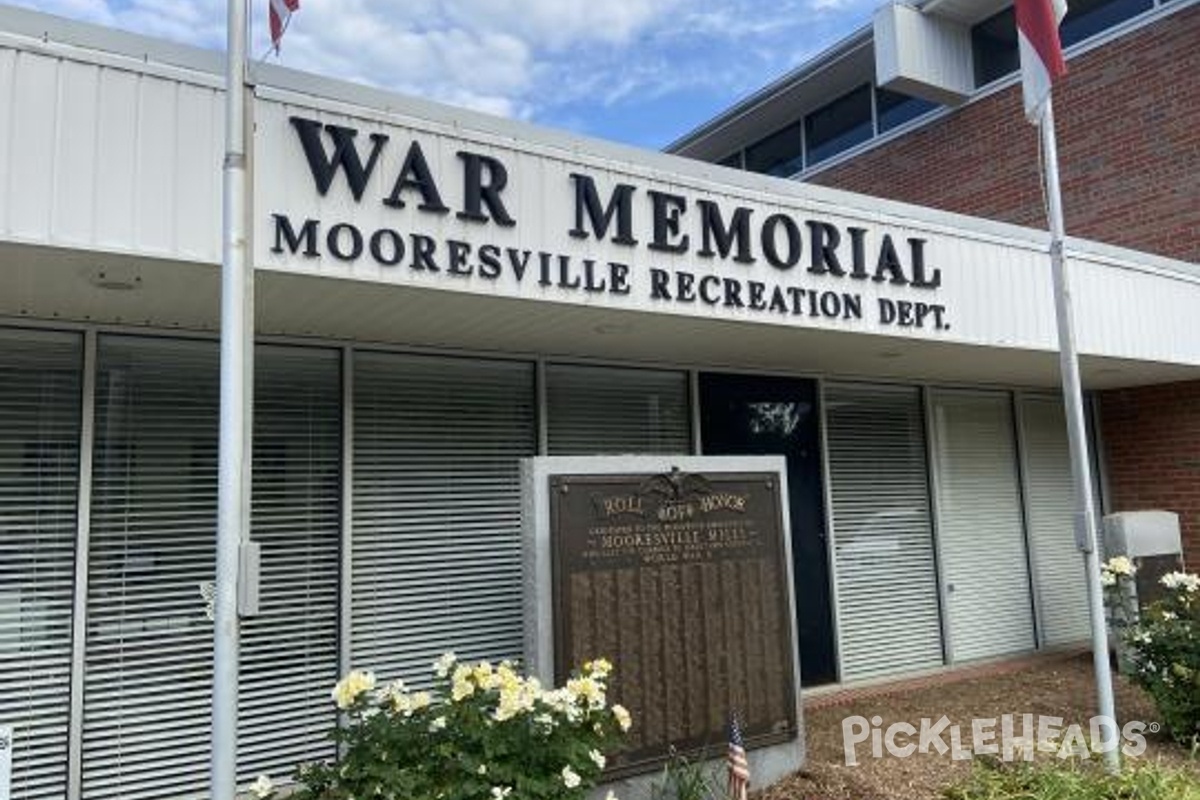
485 733
1164 648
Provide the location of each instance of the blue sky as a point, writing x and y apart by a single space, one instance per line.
637 71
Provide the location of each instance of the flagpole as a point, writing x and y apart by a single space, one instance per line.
233 489
1085 505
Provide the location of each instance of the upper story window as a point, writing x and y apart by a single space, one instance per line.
994 47
780 154
1086 18
839 125
994 41
893 109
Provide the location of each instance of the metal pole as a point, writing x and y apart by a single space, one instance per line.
232 484
1085 505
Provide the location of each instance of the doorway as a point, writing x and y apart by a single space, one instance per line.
756 415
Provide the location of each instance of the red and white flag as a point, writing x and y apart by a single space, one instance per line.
1041 51
281 13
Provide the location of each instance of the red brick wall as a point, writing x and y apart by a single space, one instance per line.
1129 145
1152 443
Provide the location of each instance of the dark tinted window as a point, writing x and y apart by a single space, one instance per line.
994 41
994 47
1088 17
839 125
779 154
895 109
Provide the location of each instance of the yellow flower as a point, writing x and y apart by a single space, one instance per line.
600 668
588 690
419 700
461 690
483 675
347 691
622 715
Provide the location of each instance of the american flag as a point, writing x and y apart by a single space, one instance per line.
280 14
735 759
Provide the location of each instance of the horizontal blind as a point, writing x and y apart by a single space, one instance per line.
889 620
981 527
289 655
1059 578
147 701
147 697
39 470
599 410
436 561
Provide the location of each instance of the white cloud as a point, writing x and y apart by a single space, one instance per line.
511 57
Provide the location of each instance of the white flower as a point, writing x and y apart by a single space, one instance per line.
444 664
1108 579
597 758
262 787
610 795
622 715
1119 565
570 777
482 769
1181 580
437 725
501 792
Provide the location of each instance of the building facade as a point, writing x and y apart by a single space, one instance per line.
440 294
1128 123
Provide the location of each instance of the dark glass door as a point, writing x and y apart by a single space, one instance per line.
755 415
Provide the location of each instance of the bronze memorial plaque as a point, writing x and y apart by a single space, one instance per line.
680 580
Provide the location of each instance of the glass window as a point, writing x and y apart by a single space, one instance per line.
1086 18
615 410
779 154
438 444
994 41
839 125
994 47
39 468
883 530
894 108
153 538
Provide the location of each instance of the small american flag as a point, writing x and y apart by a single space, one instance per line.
280 14
739 769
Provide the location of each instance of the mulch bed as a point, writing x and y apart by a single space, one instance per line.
1060 686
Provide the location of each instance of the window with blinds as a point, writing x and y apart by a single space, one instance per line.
289 655
39 469
981 529
436 552
1059 579
147 710
610 410
889 619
